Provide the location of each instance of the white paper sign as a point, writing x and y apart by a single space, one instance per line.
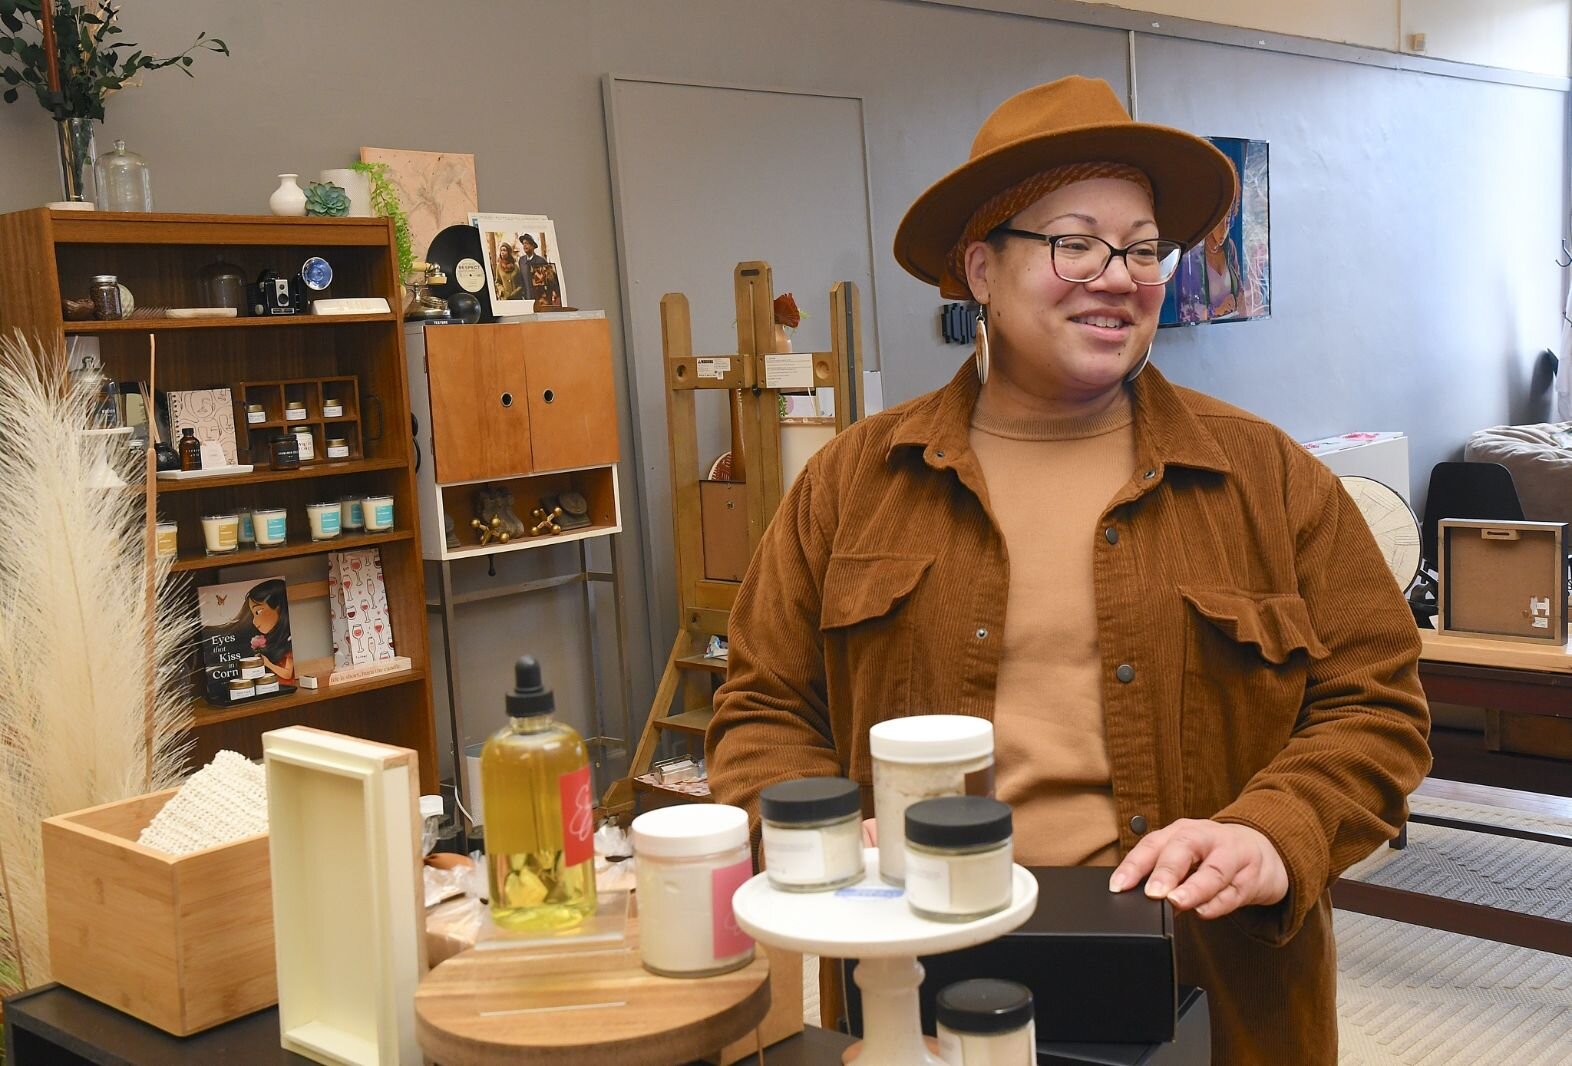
714 368
213 456
788 371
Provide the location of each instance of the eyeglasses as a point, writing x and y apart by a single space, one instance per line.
1080 257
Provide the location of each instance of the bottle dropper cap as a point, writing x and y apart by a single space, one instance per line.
529 697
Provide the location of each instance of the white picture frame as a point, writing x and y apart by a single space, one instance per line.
348 905
523 262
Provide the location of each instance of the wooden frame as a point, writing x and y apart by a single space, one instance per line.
344 840
1492 576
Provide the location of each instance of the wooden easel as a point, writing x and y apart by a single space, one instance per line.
705 604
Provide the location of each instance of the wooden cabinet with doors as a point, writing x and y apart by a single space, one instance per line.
529 407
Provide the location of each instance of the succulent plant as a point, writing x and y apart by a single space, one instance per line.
326 200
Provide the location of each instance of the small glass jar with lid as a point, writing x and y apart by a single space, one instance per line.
105 293
812 832
959 860
123 181
986 1022
691 860
923 757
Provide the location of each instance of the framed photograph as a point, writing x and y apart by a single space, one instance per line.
523 263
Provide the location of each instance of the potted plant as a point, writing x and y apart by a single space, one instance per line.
73 57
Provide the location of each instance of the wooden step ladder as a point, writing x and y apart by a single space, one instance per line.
688 680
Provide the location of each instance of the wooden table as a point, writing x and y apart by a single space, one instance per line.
1512 678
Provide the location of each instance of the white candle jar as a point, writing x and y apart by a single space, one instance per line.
252 667
295 411
248 533
985 1022
812 833
352 513
331 407
270 526
920 758
338 448
324 519
691 861
267 684
959 859
221 533
378 512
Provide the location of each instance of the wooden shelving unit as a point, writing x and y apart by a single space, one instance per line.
45 255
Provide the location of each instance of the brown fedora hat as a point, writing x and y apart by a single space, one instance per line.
1072 120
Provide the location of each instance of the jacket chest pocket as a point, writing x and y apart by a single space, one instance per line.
869 632
1247 659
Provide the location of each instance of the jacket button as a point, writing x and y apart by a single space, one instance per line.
1149 475
1111 535
939 455
1138 825
1125 673
982 634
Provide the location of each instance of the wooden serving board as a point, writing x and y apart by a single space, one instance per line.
589 1007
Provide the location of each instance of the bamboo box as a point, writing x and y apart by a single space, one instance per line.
183 943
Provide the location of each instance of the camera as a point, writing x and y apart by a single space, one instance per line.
274 295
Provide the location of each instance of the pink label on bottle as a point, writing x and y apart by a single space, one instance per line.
578 817
729 939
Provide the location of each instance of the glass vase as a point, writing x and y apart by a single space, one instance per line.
76 157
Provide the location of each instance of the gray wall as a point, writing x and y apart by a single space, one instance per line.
1391 311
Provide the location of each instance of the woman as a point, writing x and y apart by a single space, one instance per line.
1199 668
264 624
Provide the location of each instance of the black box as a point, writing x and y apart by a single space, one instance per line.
1100 965
1191 1045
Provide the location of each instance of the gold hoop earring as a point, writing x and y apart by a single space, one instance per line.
1147 358
981 357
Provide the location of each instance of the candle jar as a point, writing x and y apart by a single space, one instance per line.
304 445
812 833
379 514
105 293
255 413
167 543
337 448
285 452
221 533
352 513
270 526
332 407
247 530
242 688
692 859
295 411
324 519
251 667
986 1022
920 758
267 683
959 859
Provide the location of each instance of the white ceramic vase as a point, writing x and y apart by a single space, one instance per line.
356 185
289 198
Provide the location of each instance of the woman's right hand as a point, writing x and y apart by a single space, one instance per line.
870 832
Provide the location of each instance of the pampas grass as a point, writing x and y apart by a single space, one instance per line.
93 705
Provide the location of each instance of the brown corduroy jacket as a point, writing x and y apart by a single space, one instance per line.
1259 663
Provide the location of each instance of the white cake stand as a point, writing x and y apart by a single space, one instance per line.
872 921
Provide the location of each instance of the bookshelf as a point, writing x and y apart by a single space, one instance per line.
45 255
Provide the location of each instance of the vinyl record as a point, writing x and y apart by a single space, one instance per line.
457 251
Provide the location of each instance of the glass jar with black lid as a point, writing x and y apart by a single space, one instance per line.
812 831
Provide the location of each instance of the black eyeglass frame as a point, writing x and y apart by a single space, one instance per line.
1122 253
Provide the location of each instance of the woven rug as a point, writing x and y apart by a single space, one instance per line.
1411 996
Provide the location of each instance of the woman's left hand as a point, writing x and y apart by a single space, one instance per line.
1233 866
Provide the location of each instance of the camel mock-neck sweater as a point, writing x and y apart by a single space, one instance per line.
1048 481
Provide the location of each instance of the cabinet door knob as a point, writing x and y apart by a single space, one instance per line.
507 399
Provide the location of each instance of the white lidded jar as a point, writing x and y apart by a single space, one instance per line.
812 832
691 861
920 758
959 858
984 1022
